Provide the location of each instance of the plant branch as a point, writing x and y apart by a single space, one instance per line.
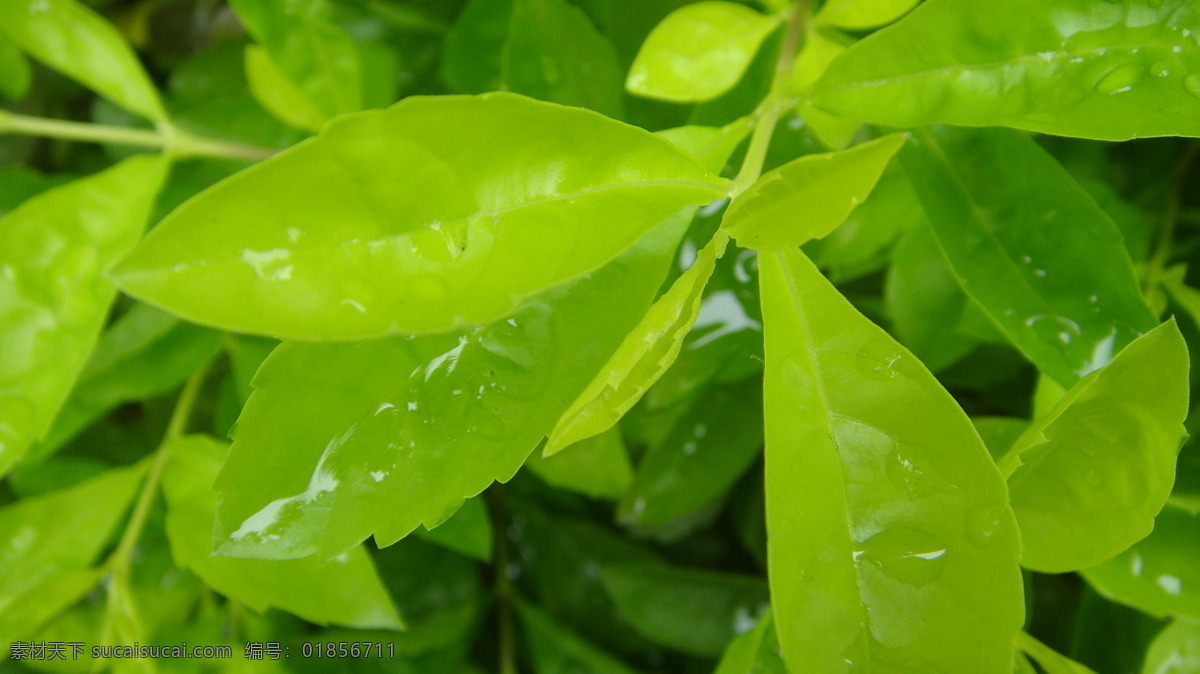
775 104
1166 236
168 138
503 585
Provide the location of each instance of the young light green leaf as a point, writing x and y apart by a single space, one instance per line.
1087 479
1158 574
318 242
344 591
25 614
597 466
15 73
554 53
699 51
555 649
1023 238
881 498
278 94
807 198
340 441
861 14
1110 71
1051 661
711 145
1176 650
642 358
74 40
468 531
320 60
697 612
861 245
754 652
59 535
54 252
706 452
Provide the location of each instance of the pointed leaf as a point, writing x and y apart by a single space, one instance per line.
15 73
278 94
74 40
892 543
1087 479
642 358
807 198
860 14
699 51
340 441
54 252
1051 661
318 242
1110 71
556 650
1023 238
345 590
754 652
468 531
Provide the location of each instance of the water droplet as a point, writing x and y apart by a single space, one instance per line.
1093 477
1160 70
1192 84
1052 328
269 265
908 555
1120 80
982 523
441 242
689 448
1172 585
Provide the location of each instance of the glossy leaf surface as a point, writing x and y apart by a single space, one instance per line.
807 198
698 52
694 611
859 14
338 252
278 94
1159 574
74 40
342 441
887 516
57 537
642 358
344 590
1110 71
1022 237
554 53
1087 479
54 252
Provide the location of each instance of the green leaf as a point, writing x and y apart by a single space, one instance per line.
1087 479
54 252
754 652
860 14
340 441
1110 71
597 466
904 513
706 452
318 243
1158 574
999 433
698 52
473 48
711 145
1023 239
51 541
557 650
74 40
319 59
1051 661
15 73
924 300
468 531
697 612
1176 650
642 358
807 198
278 94
554 53
39 605
345 590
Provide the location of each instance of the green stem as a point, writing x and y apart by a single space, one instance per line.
167 138
504 589
1162 250
777 102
